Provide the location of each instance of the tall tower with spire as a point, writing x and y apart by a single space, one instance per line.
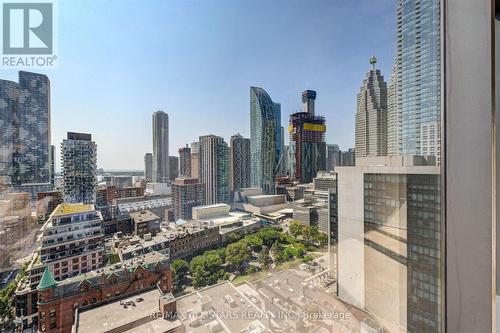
371 115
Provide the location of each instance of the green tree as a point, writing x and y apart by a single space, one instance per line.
307 259
300 250
264 258
237 254
221 253
296 229
233 237
269 235
290 252
277 252
6 299
254 242
322 238
180 268
205 269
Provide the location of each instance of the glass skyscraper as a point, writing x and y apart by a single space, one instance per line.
9 99
265 139
418 66
239 163
33 141
25 156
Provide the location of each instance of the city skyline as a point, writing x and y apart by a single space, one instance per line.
186 81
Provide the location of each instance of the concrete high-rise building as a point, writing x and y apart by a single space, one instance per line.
239 163
417 110
52 164
195 160
307 140
161 163
79 168
394 124
25 130
282 160
371 115
348 157
214 169
173 167
388 257
285 161
186 194
333 156
185 161
265 139
72 240
148 167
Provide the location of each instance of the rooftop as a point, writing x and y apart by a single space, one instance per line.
220 307
67 209
143 216
210 206
148 260
115 315
141 203
264 196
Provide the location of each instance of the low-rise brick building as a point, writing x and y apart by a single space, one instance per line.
192 238
58 301
145 222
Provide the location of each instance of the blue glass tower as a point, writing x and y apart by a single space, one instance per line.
265 139
419 69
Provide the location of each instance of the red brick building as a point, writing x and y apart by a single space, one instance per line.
57 301
106 195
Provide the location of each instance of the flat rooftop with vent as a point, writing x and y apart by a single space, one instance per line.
139 313
220 308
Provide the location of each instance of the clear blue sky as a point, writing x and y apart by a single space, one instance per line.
121 60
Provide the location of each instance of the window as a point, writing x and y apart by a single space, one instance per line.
366 163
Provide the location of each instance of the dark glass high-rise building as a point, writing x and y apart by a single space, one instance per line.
239 163
32 160
185 161
9 103
148 166
25 156
173 167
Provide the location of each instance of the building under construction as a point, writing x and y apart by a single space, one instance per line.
307 140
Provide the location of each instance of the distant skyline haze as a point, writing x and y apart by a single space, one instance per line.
119 62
